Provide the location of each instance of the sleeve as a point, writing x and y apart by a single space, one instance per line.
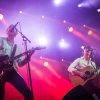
73 65
94 65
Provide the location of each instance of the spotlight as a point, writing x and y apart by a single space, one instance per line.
82 47
84 25
41 57
62 60
63 44
64 21
42 41
98 10
1 16
57 2
79 5
70 29
42 16
20 12
90 32
46 64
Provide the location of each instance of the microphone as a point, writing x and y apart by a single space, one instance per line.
13 27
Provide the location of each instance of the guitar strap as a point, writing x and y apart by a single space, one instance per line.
13 51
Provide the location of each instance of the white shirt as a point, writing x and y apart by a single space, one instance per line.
8 48
80 63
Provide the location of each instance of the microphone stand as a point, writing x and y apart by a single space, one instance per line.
25 39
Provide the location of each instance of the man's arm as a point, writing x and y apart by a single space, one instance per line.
26 59
73 68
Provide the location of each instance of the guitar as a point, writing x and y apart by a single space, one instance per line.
89 74
6 63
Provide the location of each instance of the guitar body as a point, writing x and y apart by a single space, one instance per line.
6 63
5 66
78 80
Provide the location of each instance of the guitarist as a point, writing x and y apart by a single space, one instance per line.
12 76
76 67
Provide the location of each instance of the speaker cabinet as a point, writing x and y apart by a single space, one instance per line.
78 93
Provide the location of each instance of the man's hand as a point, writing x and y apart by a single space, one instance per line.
27 58
31 51
79 73
82 75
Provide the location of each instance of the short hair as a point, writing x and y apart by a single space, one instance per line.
10 28
88 47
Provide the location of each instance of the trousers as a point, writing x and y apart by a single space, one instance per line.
18 82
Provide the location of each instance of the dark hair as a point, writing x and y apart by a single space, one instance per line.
88 47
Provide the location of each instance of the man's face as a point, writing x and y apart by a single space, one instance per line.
87 52
11 32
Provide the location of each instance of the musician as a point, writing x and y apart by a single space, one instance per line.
79 64
12 76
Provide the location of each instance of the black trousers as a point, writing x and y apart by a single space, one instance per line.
18 82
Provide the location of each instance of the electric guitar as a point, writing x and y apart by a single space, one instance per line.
88 72
6 63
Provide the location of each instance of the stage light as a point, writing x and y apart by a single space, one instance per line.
46 64
84 25
20 12
41 57
63 44
62 60
90 32
82 47
64 21
79 5
89 3
1 16
42 41
57 2
98 10
70 29
42 16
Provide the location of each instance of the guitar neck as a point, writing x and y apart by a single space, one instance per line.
37 48
20 55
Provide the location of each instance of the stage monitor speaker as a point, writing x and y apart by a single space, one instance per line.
78 93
